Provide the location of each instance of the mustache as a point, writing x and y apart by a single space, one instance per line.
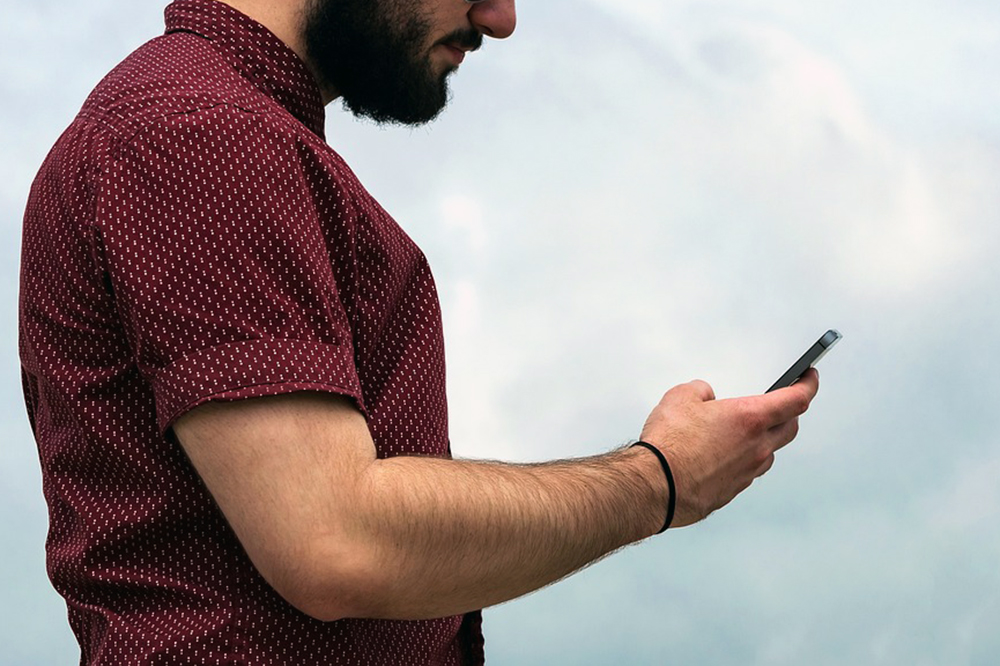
467 38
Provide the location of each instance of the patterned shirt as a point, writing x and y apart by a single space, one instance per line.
192 237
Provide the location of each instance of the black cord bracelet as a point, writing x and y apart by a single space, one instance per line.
672 502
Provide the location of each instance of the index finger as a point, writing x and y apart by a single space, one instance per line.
787 403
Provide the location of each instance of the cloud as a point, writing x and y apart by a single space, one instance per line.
969 500
628 195
463 213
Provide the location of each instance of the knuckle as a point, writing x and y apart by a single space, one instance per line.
671 394
801 404
761 456
765 466
704 389
788 432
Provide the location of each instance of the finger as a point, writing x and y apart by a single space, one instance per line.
702 389
764 466
693 391
792 401
811 378
782 435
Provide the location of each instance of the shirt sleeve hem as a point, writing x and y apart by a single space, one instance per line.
253 368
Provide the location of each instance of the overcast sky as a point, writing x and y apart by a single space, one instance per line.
628 195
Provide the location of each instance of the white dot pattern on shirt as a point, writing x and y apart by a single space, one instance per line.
191 237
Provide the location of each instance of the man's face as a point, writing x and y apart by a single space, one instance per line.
388 59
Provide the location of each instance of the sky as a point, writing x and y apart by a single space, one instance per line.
626 196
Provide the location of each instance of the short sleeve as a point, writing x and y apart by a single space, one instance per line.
208 229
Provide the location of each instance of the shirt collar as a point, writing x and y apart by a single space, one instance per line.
256 53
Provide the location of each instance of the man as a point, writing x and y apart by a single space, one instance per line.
233 366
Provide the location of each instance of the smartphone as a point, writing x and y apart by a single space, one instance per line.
807 360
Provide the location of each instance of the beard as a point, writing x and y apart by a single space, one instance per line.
375 54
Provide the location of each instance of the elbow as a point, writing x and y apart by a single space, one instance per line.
317 607
335 584
321 611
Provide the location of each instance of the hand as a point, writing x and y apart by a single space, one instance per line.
716 448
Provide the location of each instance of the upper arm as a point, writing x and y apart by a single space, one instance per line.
223 268
285 470
221 272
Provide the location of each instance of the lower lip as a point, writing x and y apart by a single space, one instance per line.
458 55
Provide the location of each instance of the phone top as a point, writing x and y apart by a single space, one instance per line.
808 359
830 338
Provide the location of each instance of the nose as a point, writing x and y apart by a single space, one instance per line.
494 18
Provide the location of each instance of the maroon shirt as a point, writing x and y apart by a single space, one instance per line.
192 237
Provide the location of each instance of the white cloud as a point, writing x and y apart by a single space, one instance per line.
620 201
463 213
969 500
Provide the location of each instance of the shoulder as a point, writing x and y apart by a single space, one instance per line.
167 79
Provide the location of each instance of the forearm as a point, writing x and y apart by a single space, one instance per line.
445 537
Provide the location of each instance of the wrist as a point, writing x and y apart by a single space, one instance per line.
646 466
